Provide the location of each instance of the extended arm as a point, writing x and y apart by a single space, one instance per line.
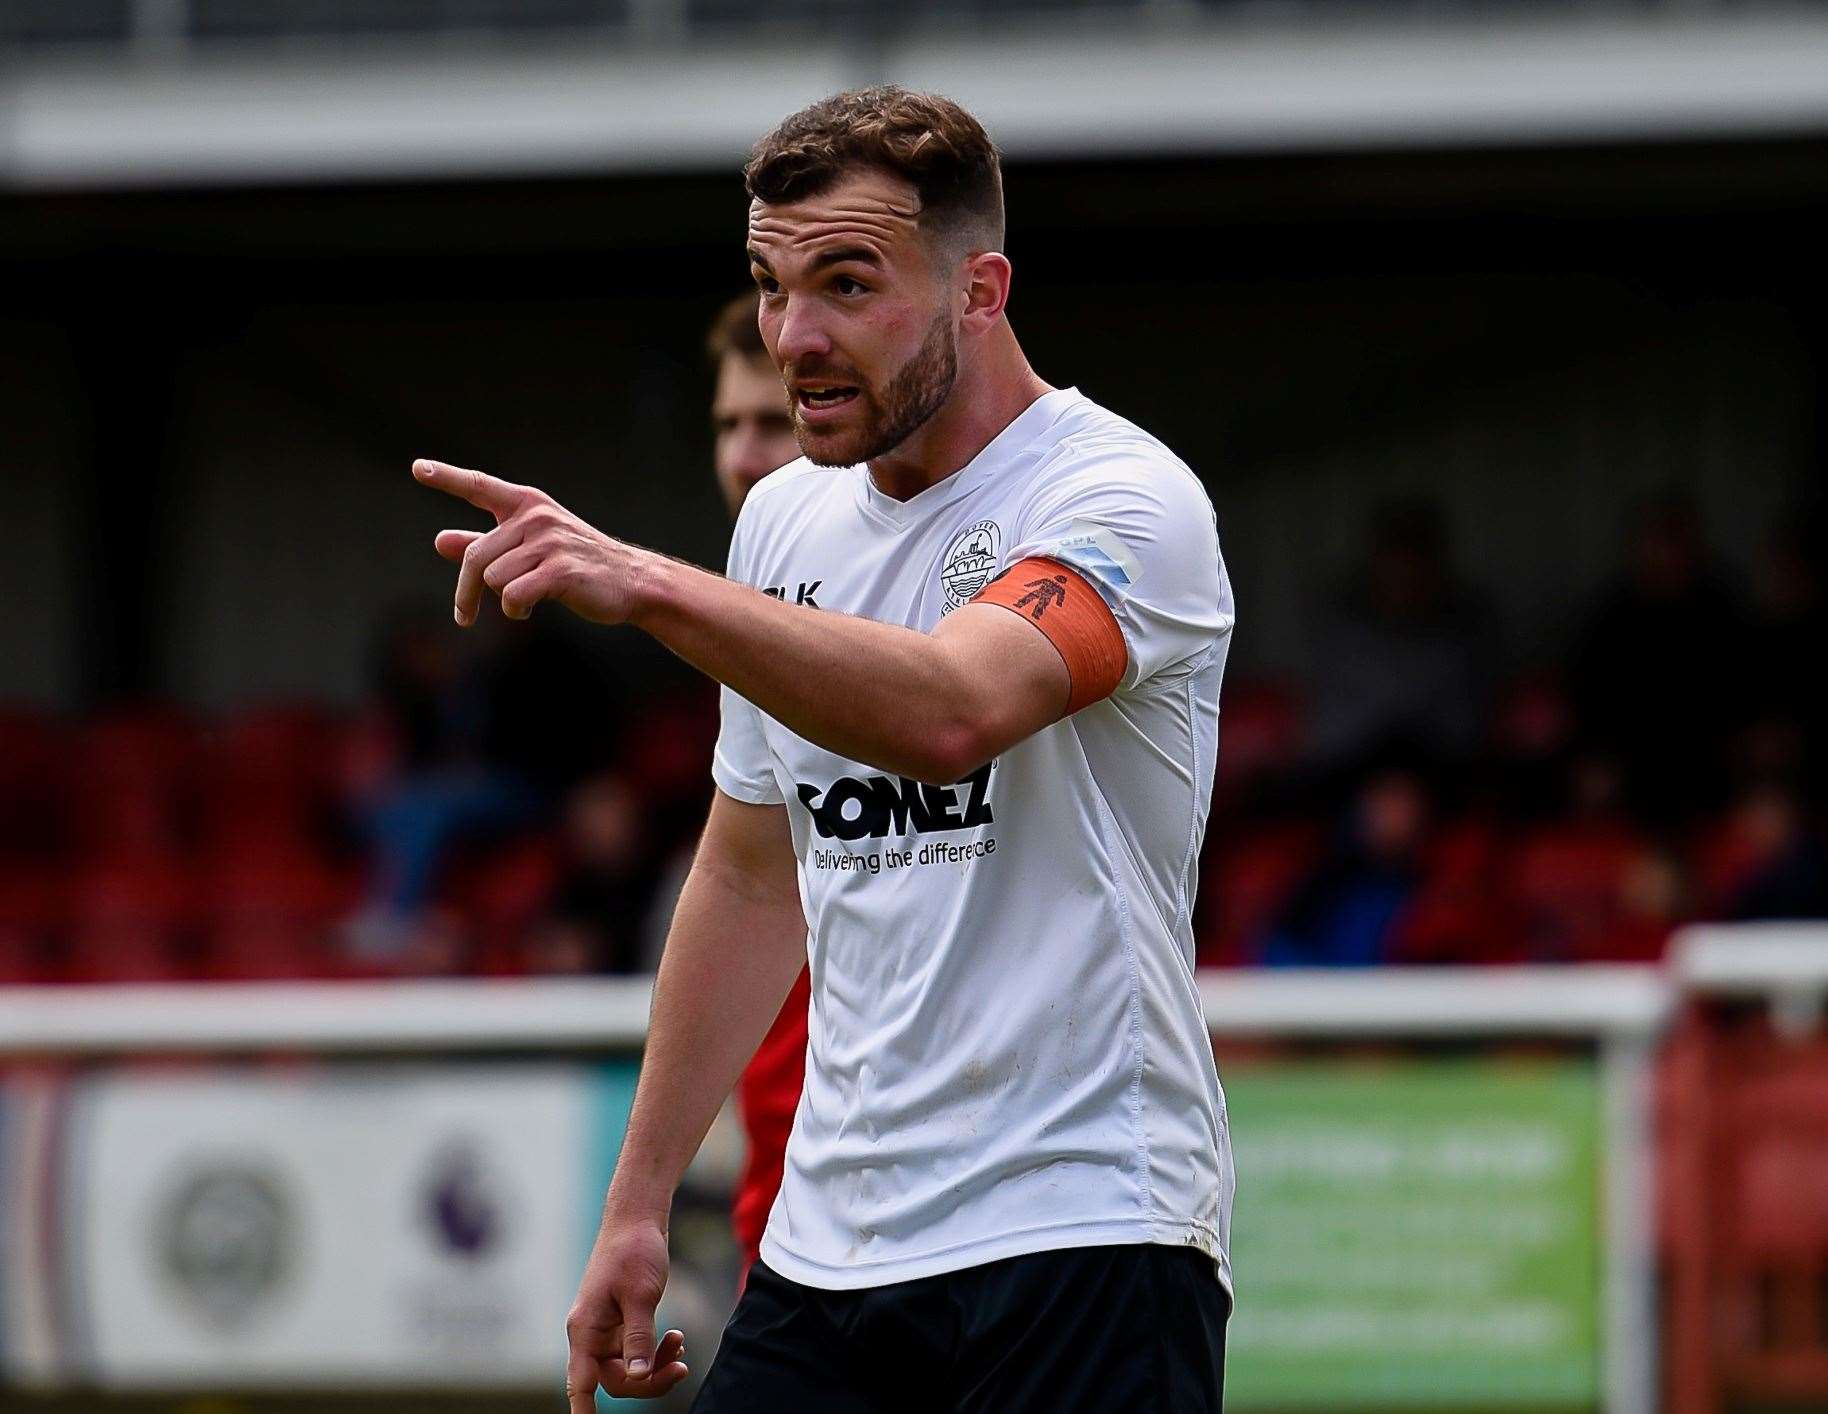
737 942
933 706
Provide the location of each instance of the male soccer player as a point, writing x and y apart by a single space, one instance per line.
970 721
754 436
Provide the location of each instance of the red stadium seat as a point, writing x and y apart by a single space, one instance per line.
1567 883
129 921
265 779
1246 885
271 917
503 895
29 909
667 753
33 782
1260 732
128 780
1459 914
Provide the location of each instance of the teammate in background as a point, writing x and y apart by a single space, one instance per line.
971 719
754 428
750 415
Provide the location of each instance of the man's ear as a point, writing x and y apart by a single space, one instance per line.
985 281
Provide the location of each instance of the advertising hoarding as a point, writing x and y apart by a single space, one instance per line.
409 1224
1416 1233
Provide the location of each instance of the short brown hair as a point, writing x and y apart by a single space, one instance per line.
927 140
736 330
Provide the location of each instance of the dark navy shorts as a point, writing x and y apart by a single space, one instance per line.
1137 1328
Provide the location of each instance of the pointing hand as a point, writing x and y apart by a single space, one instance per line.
537 551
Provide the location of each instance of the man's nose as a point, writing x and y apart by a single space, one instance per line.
801 334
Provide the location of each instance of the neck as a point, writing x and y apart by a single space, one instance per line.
992 392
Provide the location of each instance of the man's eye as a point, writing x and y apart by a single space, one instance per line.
844 285
767 284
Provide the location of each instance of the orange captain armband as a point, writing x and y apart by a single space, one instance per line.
1062 603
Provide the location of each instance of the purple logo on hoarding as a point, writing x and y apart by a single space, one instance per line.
462 1202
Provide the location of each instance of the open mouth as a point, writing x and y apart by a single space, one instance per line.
818 399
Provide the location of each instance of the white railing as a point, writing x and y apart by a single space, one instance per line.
328 1017
1784 964
611 1013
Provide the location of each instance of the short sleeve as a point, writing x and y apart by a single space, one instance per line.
1139 527
742 765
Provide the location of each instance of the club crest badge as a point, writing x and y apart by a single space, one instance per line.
970 563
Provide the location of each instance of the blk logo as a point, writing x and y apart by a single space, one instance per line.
802 593
849 809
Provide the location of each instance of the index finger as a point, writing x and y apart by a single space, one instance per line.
500 498
581 1385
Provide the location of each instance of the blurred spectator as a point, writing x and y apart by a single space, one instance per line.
1787 658
1653 900
1532 730
1251 871
1403 648
605 882
1763 861
1344 913
1458 914
1658 670
1587 886
553 707
441 790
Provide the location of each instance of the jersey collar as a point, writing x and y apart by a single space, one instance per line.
1027 425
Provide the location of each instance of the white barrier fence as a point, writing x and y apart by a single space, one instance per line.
1619 1011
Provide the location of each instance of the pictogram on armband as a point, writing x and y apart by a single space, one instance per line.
1063 604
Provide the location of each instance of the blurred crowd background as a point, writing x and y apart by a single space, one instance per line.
524 799
1517 457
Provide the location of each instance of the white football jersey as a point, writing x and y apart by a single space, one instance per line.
1007 1049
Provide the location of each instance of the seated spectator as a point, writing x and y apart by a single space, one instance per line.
1345 913
1786 685
1403 647
1458 914
1530 735
1588 886
1653 900
1763 861
1246 881
1657 674
439 790
606 880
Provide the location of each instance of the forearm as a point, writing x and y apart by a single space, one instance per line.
888 696
734 948
933 706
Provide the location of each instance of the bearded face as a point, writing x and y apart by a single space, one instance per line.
841 418
859 311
